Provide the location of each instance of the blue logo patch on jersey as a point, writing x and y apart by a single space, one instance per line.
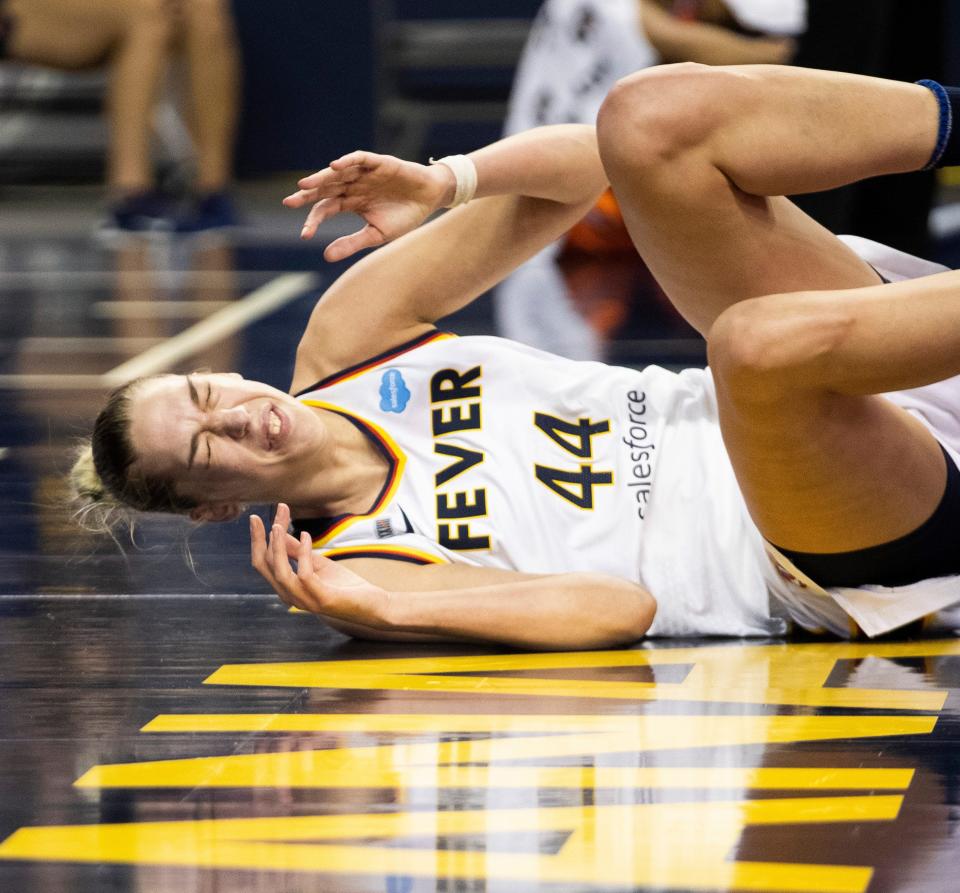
394 393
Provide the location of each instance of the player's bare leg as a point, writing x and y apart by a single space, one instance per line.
699 156
139 63
132 37
694 156
214 71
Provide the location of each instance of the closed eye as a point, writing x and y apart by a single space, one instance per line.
195 440
208 403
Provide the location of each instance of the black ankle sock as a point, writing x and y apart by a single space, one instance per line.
947 151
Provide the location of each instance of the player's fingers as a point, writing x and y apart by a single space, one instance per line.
359 158
272 565
329 179
258 543
282 516
304 558
301 198
321 211
368 237
312 584
318 180
259 554
292 545
279 563
287 586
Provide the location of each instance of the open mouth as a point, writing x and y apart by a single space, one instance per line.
276 426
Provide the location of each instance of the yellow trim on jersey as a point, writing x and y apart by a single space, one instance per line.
439 336
396 551
399 464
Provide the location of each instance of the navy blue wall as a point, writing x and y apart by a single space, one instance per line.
308 82
308 75
953 41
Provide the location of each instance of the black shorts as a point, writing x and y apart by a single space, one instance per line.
932 550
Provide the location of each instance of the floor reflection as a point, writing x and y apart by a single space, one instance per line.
591 297
806 766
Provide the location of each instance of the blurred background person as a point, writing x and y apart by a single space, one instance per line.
136 40
577 50
576 295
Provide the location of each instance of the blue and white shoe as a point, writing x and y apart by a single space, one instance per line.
142 213
214 211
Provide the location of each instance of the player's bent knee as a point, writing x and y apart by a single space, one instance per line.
763 349
654 114
734 352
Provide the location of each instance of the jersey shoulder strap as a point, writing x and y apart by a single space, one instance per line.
378 360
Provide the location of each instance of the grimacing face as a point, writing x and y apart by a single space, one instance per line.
223 439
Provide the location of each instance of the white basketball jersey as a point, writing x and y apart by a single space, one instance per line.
575 53
504 456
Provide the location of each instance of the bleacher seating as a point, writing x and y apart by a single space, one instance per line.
52 127
441 71
50 124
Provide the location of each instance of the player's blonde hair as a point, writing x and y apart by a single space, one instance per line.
108 490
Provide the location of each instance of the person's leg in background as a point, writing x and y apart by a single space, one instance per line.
136 40
210 44
132 38
138 64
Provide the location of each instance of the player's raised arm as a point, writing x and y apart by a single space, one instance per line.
393 196
527 191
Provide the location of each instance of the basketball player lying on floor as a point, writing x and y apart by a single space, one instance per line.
477 489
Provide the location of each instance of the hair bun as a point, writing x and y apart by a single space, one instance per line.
97 510
86 483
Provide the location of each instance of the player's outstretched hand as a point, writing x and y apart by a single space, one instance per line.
318 584
392 196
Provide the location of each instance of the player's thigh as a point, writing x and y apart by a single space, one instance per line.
668 138
76 34
711 245
823 472
62 33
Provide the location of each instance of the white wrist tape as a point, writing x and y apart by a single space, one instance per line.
465 173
